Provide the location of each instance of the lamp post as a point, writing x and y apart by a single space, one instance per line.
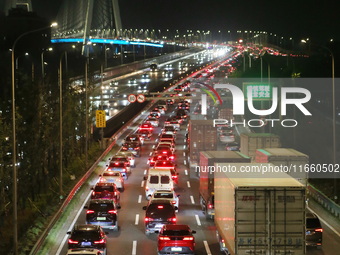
14 152
334 113
43 64
61 125
17 61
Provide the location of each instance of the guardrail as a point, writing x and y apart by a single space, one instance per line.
324 201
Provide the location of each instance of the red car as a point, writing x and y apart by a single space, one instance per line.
176 239
145 126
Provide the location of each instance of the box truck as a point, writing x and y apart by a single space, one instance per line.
250 142
257 213
293 161
206 164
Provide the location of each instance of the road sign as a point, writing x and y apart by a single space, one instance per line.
140 98
132 98
100 119
260 91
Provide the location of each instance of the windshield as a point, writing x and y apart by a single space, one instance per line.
176 232
163 195
83 234
103 188
103 207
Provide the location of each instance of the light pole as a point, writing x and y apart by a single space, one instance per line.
61 125
17 61
43 63
334 113
14 151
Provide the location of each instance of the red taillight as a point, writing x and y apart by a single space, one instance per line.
210 206
124 148
70 241
89 211
173 202
172 219
100 241
112 211
164 238
188 238
148 219
174 177
137 148
172 157
318 230
160 207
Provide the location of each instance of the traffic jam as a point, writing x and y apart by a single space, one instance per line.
166 128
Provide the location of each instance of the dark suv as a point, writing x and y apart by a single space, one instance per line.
87 236
103 213
159 213
313 230
106 190
176 239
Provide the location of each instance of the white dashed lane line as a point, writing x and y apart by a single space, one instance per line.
198 220
139 199
134 247
188 184
142 184
137 219
206 246
192 199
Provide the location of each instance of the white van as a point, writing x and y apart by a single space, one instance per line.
158 179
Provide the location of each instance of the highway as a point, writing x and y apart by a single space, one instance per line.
131 238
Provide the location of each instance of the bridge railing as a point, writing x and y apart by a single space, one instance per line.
324 201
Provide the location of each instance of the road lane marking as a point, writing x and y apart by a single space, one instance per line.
72 224
185 162
145 172
324 222
142 184
137 219
188 184
139 199
186 172
184 146
150 153
184 140
192 199
183 153
206 246
153 146
198 220
134 247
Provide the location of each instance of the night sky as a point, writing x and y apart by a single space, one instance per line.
299 18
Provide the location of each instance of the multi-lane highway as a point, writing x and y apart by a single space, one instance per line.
131 237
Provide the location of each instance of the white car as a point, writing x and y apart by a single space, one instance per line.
129 155
115 177
227 137
153 121
166 195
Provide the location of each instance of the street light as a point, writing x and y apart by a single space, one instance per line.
43 63
14 156
334 114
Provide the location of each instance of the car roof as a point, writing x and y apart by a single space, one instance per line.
106 183
101 201
161 201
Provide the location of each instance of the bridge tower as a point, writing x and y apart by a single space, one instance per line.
24 4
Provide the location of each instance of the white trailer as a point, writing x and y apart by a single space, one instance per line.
258 213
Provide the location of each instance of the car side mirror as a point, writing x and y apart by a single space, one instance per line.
144 207
193 232
176 208
156 232
145 178
177 173
92 187
107 165
109 158
85 207
68 232
118 207
178 195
